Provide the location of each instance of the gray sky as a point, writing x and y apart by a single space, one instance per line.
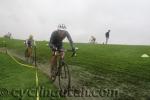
129 20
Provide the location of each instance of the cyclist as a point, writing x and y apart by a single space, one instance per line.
107 36
56 43
93 39
29 44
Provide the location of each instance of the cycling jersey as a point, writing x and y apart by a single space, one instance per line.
30 43
57 37
107 34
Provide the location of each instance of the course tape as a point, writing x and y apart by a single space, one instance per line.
37 85
19 62
37 79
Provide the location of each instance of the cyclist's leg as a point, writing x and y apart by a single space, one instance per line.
30 54
26 54
61 51
62 55
106 40
53 60
61 62
53 63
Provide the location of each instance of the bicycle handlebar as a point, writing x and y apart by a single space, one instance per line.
74 51
69 50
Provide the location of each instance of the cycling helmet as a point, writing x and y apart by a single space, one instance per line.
31 37
61 27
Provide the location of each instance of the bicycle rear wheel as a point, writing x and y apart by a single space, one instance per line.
64 78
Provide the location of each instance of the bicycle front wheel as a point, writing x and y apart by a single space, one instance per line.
64 77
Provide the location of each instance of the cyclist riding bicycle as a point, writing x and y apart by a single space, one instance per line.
29 46
56 43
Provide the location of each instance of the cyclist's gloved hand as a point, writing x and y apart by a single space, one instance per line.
54 48
74 52
73 49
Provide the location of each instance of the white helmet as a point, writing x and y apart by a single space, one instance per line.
61 27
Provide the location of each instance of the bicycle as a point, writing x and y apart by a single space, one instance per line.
62 71
29 54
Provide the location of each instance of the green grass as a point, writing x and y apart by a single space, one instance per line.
16 77
120 65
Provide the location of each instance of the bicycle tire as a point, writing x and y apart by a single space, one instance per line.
53 73
63 85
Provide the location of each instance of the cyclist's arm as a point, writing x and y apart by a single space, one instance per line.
70 40
34 43
51 39
26 43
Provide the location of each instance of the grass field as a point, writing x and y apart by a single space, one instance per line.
110 66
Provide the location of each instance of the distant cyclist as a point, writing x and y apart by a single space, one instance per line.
107 36
30 43
93 40
56 43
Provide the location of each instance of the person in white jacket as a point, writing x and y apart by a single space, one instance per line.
30 43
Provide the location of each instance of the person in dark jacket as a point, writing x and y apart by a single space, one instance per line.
107 36
56 43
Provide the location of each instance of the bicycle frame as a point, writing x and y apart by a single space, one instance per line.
62 69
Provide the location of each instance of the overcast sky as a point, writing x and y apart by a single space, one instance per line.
129 20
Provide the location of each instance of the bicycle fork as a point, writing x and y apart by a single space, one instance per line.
62 69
